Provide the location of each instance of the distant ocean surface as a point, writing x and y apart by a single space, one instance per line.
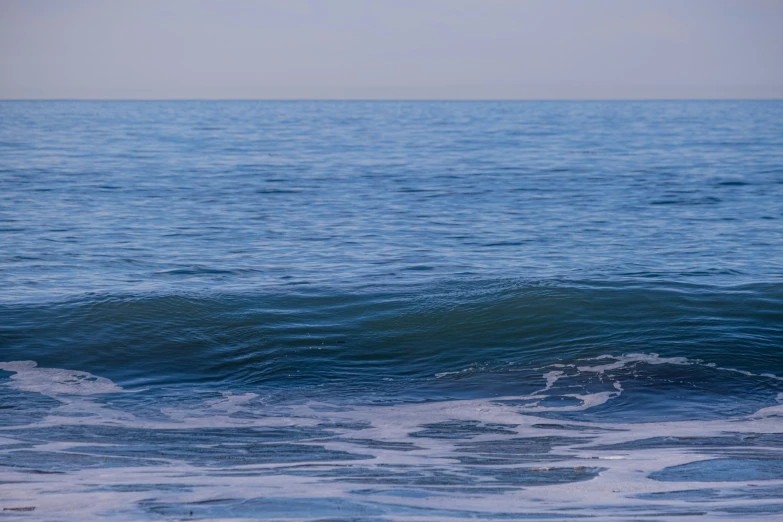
391 310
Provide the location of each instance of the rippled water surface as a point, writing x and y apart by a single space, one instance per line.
391 310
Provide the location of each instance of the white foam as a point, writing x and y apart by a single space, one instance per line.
551 378
633 358
587 401
465 371
56 382
770 411
446 374
611 495
231 402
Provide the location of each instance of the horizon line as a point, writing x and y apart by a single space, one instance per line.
185 99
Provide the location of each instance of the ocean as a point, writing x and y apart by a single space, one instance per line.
371 311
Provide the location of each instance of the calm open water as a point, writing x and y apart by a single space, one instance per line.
391 310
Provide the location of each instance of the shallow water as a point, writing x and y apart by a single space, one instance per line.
391 310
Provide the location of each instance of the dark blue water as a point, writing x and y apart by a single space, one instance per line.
394 309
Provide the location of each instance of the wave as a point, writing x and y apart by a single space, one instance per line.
537 391
316 336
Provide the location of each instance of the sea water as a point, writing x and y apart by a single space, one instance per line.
391 310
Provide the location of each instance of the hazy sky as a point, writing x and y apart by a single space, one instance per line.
391 48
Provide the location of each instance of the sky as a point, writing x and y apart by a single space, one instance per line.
391 49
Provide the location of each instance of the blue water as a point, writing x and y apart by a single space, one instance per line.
376 310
